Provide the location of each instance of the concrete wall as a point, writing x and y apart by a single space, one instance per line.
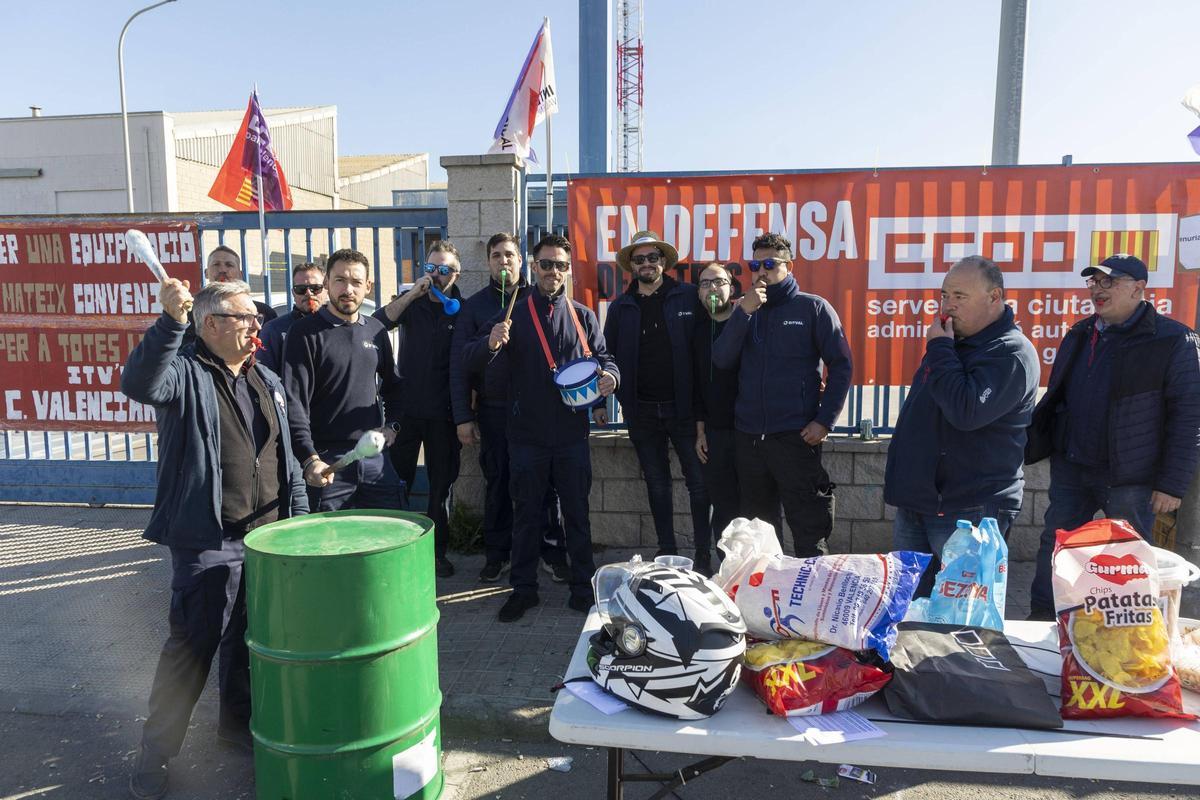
483 194
375 188
620 513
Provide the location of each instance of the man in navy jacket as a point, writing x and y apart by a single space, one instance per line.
957 450
1120 420
649 332
225 467
422 389
782 414
547 440
308 295
480 414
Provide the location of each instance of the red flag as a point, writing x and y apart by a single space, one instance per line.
237 183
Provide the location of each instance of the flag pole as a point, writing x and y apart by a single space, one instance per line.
262 223
549 163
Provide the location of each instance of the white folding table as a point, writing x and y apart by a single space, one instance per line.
1130 749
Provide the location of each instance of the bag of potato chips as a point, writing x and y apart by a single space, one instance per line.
798 677
1116 659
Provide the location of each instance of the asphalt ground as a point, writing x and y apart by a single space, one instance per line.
83 607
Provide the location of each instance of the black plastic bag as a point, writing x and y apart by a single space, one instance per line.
965 675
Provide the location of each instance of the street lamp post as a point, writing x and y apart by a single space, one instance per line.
124 115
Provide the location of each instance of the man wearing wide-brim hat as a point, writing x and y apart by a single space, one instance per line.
649 332
1120 420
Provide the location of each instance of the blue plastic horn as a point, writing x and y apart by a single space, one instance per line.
450 305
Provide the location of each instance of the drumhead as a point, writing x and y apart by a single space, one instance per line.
576 372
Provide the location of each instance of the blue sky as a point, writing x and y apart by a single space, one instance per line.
745 85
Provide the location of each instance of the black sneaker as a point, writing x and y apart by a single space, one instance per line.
238 739
580 603
442 567
667 551
559 572
149 778
702 563
492 571
516 605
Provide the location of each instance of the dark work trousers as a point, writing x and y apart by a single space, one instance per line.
208 612
566 468
497 500
782 467
721 479
440 440
367 483
651 427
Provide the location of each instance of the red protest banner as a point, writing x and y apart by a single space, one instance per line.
73 304
878 245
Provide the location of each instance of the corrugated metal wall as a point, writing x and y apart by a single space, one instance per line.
305 149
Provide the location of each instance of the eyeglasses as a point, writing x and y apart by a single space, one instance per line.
244 319
307 288
1105 282
713 283
767 263
648 258
440 269
548 264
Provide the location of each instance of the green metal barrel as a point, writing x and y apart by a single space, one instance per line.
343 657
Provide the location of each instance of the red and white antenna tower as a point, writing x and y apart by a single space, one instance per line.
629 86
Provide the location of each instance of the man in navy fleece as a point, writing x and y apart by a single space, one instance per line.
782 413
331 363
960 438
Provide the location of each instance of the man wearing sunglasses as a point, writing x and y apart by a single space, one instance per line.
1120 420
957 450
547 440
308 295
226 468
481 416
649 331
778 338
422 389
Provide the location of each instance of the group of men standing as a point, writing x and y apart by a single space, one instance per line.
744 390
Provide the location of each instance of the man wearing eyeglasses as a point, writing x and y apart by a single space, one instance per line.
547 439
308 295
716 392
481 415
225 468
336 365
649 331
1120 420
422 389
782 336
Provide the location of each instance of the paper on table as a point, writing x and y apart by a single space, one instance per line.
835 728
599 699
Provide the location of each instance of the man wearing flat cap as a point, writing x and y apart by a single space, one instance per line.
649 332
1120 420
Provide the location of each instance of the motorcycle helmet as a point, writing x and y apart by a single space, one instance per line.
670 641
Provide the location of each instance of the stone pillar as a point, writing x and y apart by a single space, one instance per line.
483 198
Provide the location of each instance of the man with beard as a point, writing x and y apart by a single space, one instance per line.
782 414
649 330
334 362
1120 420
477 397
547 439
422 389
308 294
225 468
957 450
716 391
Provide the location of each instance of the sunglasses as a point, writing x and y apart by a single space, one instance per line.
648 258
440 269
245 319
307 288
548 264
767 263
714 283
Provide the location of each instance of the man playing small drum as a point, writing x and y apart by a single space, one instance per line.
548 419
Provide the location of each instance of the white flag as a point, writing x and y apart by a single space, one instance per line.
1191 99
533 98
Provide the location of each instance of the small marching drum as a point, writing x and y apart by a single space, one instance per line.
579 382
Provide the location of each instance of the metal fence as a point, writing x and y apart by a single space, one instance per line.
99 468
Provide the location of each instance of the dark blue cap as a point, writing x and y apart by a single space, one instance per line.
1121 264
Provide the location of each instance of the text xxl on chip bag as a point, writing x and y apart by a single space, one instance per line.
1116 658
